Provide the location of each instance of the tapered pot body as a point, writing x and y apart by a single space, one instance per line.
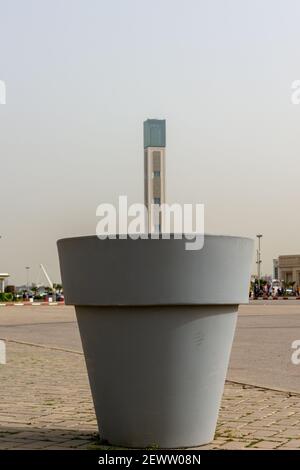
157 323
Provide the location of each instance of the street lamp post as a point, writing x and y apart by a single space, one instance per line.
258 262
27 278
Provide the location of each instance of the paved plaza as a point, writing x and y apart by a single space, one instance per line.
46 401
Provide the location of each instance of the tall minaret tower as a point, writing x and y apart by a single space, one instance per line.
154 169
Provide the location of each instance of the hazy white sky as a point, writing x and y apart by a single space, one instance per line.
81 77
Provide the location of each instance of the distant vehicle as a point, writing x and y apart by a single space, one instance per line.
275 285
289 291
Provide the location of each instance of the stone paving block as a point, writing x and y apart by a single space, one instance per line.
268 445
235 445
292 444
262 434
291 432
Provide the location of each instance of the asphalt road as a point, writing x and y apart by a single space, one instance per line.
262 348
261 353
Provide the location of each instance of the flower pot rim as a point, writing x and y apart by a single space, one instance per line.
126 272
158 236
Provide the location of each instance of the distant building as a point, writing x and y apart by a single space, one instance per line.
154 169
3 277
289 269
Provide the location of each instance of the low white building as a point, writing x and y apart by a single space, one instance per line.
3 277
289 269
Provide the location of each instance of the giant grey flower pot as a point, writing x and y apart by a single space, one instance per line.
156 324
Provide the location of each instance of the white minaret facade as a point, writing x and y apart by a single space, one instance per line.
154 170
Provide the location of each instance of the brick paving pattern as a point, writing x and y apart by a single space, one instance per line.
46 404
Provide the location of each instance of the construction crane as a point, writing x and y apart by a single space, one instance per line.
47 277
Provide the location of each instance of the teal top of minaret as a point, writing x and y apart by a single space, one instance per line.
154 133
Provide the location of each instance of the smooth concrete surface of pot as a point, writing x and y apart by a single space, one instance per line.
157 324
